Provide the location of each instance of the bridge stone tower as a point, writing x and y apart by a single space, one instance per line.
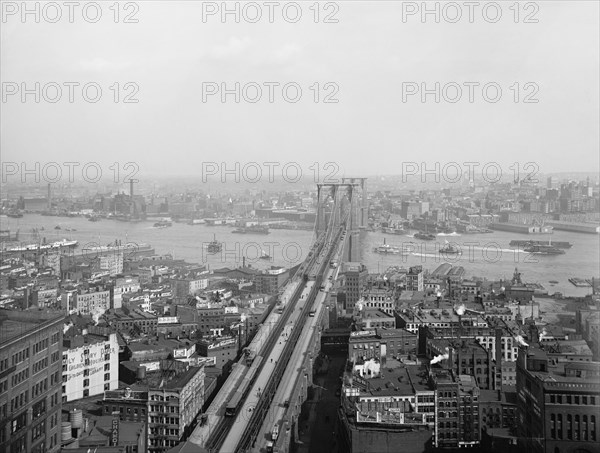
332 206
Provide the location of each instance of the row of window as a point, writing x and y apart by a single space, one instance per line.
20 356
39 409
20 421
38 431
39 388
19 377
40 365
40 346
573 399
576 427
165 420
19 400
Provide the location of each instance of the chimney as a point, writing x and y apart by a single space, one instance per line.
131 188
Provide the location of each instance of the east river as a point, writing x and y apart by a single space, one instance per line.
482 255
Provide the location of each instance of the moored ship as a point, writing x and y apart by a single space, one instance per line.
424 236
558 244
540 249
253 229
164 223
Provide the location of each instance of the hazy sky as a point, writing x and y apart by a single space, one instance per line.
368 55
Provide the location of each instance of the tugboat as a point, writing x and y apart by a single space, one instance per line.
449 249
214 246
264 255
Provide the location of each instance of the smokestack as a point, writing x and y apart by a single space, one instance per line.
131 188
49 197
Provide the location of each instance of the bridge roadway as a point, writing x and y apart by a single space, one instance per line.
212 432
285 405
245 412
216 410
298 330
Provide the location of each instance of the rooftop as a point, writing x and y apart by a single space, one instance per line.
16 324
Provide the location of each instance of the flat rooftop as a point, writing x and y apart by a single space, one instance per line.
16 324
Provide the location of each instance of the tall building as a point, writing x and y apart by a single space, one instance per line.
167 400
271 280
30 373
414 279
355 276
457 415
90 365
558 403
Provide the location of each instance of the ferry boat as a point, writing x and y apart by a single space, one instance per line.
386 249
254 229
544 250
214 246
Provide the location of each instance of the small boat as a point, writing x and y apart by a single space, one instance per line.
164 223
214 246
553 281
57 227
449 249
264 255
94 219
